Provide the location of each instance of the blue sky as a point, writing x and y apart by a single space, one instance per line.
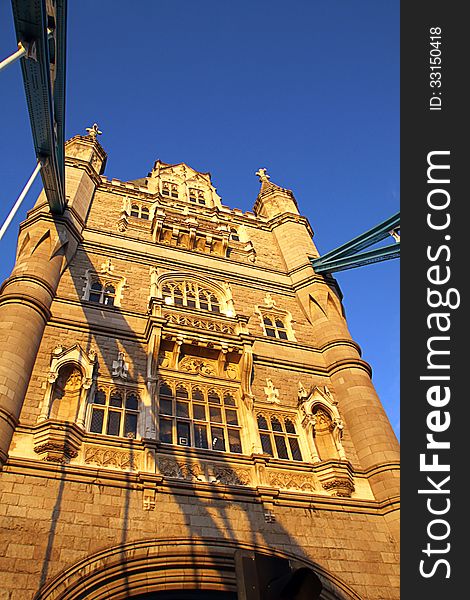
308 89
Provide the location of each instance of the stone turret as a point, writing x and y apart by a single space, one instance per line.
46 244
373 438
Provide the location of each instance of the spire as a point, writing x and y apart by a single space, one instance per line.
264 180
272 198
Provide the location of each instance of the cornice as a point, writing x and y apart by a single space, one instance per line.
199 491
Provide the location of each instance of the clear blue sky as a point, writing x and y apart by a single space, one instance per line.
308 89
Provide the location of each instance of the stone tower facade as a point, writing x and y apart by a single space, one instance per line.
178 388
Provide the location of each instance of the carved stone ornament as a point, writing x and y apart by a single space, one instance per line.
188 471
288 481
122 224
339 487
205 324
107 267
164 358
302 394
272 393
269 302
148 499
229 476
262 174
120 367
197 366
93 131
105 457
57 452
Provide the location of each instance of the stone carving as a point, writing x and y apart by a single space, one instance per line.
197 366
164 359
269 301
269 517
339 487
107 267
122 224
289 481
229 476
104 457
188 471
199 323
272 393
120 367
58 452
231 371
93 131
149 499
302 394
322 419
263 175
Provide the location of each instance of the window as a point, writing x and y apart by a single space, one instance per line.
279 437
102 293
274 327
140 212
201 418
234 234
103 287
191 295
114 412
196 196
169 189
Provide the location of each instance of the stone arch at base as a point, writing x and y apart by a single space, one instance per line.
186 565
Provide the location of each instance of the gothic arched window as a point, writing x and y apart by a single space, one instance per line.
192 295
275 327
279 437
102 294
197 417
96 291
103 288
114 412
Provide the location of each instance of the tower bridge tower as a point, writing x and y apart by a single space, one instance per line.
181 401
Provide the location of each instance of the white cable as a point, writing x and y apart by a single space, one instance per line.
14 57
20 199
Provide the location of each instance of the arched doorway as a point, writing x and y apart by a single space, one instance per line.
171 569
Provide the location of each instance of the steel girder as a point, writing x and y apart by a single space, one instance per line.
42 25
348 256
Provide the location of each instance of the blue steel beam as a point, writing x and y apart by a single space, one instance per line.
42 25
348 256
359 260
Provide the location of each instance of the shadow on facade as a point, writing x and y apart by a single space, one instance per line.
209 509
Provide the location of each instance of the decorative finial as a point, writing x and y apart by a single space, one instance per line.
263 176
269 300
272 393
93 131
